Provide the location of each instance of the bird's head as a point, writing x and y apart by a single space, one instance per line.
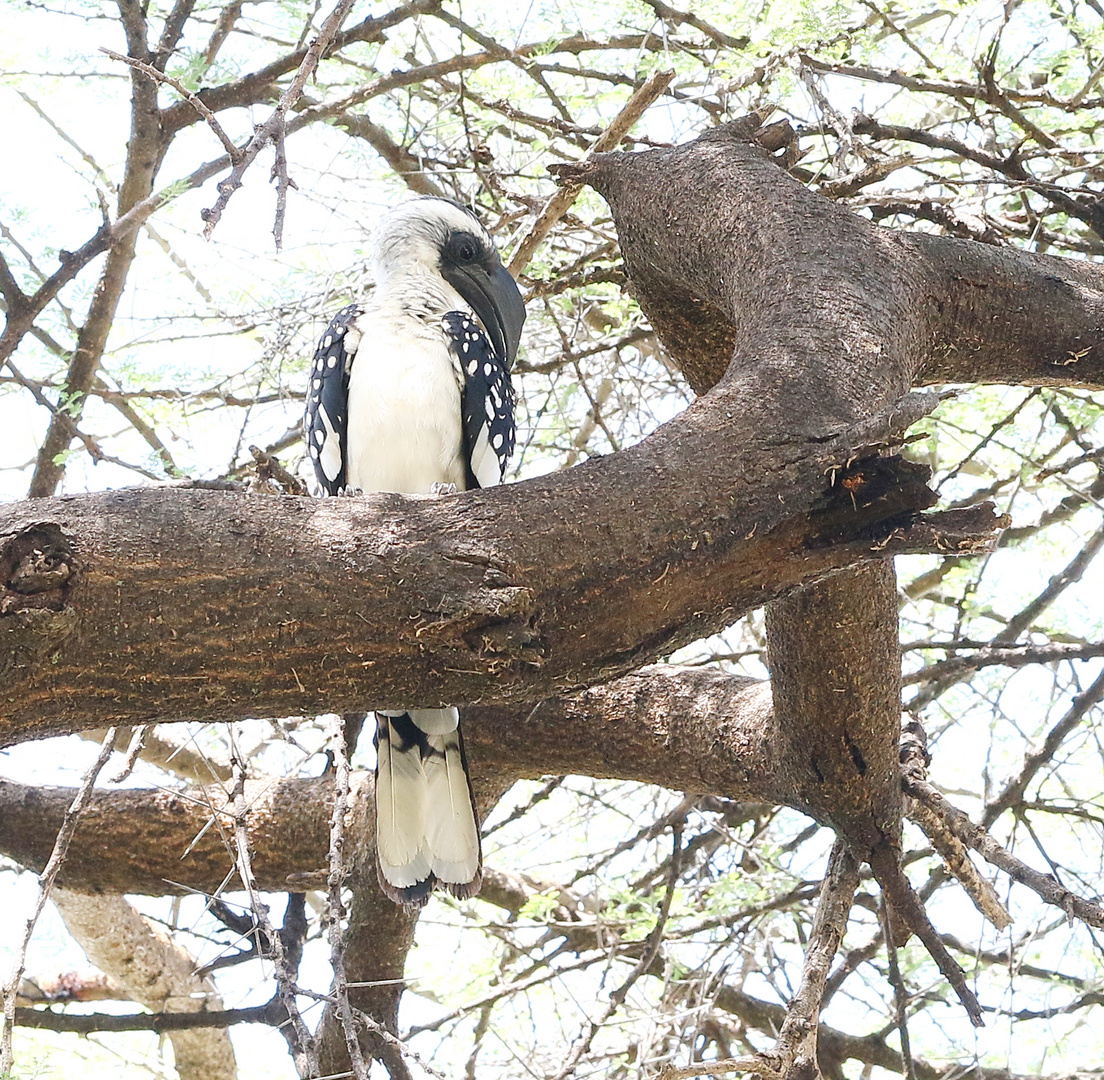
440 237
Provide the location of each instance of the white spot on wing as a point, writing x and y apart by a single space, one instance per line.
330 458
484 462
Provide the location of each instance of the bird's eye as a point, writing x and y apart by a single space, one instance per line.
463 248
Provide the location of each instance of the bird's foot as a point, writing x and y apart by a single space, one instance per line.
442 489
350 492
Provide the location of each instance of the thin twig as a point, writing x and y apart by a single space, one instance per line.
900 992
283 183
797 1039
295 1031
137 744
885 862
1033 762
647 958
45 884
273 127
753 1064
336 906
561 201
197 103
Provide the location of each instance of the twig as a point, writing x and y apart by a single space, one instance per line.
561 201
1014 792
885 863
273 127
283 183
298 1036
269 468
402 1049
271 1013
137 744
953 853
232 150
753 1064
1012 656
647 958
914 764
45 884
671 15
797 1039
900 992
336 906
975 837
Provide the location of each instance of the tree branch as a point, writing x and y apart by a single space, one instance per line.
460 596
272 130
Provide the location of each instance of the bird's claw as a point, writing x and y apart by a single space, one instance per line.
437 488
350 492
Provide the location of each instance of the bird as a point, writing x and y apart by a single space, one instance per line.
411 392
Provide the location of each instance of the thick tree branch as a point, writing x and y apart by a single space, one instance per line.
155 972
235 605
144 155
693 729
983 314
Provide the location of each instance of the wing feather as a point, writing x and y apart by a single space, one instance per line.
487 401
327 413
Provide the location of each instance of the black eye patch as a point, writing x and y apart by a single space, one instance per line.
464 248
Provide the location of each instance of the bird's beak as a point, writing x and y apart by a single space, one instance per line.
496 299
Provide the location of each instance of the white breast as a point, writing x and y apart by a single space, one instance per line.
404 428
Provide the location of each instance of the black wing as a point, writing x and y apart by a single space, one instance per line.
487 401
327 418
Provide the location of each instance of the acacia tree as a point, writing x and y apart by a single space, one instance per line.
745 216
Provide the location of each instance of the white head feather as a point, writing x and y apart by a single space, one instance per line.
409 237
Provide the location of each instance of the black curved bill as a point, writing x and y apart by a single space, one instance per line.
495 298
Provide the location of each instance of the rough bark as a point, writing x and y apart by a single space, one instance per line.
144 961
137 837
829 319
694 729
835 677
805 324
144 154
974 312
491 595
175 604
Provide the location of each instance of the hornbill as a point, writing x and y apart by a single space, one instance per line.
410 393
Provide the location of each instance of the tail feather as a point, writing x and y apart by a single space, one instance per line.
426 827
400 808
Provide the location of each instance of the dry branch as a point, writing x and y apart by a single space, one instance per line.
48 876
561 201
232 151
155 972
272 130
974 836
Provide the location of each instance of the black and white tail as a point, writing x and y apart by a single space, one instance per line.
426 827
